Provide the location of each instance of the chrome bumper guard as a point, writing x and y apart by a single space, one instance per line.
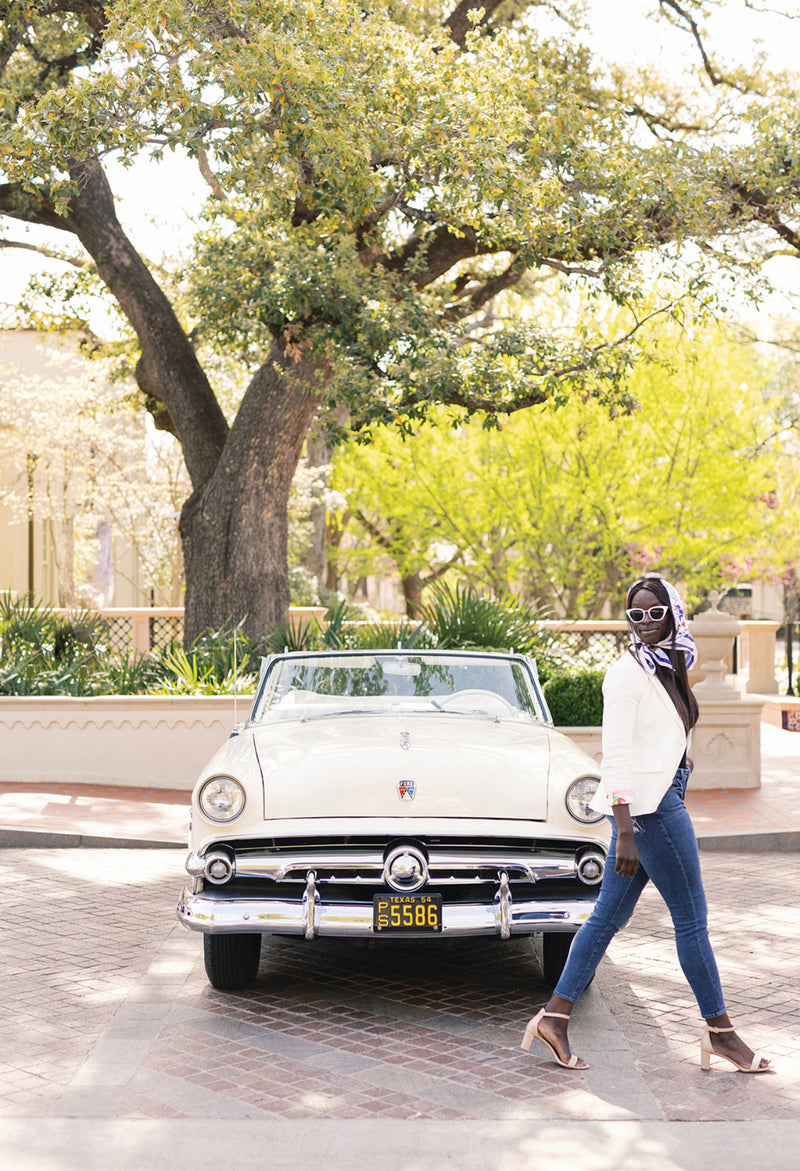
214 912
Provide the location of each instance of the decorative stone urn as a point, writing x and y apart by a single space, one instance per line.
714 631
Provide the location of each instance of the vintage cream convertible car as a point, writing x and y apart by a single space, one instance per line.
392 793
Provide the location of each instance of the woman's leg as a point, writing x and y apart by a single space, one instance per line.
614 907
668 849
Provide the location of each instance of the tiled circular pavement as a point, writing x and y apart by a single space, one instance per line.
112 1017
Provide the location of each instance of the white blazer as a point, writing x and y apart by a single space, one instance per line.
643 739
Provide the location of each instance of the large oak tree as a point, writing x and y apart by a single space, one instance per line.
380 176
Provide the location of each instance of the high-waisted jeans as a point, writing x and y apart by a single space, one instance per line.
667 855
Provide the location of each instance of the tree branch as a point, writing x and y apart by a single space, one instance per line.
378 537
23 205
694 29
486 292
50 253
442 249
759 203
96 21
168 372
208 174
458 23
375 216
655 122
435 574
92 12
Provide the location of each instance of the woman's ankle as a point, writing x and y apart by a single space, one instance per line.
557 1004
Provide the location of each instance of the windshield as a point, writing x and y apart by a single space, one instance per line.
311 687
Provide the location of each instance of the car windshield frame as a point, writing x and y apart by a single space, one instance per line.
489 685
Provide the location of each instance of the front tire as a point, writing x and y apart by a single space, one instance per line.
231 960
555 949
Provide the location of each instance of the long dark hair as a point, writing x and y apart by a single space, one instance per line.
675 682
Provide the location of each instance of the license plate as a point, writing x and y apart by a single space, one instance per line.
407 913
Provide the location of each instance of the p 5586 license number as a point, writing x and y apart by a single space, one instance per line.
407 913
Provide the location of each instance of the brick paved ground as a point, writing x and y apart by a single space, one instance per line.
109 1016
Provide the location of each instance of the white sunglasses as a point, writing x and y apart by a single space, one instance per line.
655 614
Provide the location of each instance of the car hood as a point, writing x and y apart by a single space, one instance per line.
357 765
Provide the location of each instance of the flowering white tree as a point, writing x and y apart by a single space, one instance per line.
77 458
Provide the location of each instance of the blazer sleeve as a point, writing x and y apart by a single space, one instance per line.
623 687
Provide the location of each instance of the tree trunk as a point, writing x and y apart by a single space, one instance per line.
318 455
64 552
413 586
168 370
234 527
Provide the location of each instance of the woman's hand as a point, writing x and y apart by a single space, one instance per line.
627 861
627 853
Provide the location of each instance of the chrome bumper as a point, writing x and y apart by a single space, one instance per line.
214 913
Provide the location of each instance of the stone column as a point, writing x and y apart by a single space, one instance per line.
301 617
757 660
726 745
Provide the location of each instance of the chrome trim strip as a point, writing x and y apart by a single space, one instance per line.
213 912
281 865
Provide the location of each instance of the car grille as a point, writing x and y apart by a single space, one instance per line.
356 863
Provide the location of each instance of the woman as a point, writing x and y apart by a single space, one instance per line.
648 715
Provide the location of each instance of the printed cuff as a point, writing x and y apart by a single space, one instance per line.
622 798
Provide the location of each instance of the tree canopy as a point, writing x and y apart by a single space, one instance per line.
383 177
565 506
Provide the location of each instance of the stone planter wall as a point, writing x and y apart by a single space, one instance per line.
163 741
155 741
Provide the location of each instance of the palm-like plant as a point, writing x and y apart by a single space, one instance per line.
461 617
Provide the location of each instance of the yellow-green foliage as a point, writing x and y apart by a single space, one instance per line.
568 504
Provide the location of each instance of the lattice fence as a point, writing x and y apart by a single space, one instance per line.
119 634
590 650
141 630
163 631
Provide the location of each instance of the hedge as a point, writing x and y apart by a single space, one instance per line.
575 700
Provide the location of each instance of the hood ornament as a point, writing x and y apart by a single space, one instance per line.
405 740
406 789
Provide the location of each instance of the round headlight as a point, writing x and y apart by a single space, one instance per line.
221 799
579 794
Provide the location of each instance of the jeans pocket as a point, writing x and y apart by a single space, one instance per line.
681 780
638 828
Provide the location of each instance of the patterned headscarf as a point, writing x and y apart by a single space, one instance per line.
648 656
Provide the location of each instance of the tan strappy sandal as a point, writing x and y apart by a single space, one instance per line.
532 1034
706 1053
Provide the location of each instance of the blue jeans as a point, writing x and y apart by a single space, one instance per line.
667 855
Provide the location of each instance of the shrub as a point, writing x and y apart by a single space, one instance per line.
45 654
208 667
575 700
461 618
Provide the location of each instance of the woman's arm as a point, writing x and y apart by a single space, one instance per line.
627 861
622 691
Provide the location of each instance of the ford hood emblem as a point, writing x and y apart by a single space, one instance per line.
406 789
